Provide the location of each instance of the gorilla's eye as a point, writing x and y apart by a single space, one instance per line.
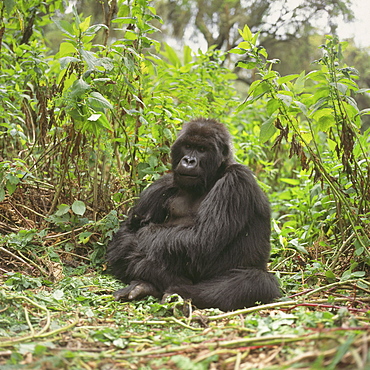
202 149
187 146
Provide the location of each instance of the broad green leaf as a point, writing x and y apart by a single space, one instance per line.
94 117
244 45
66 48
302 107
64 62
9 5
272 106
78 207
84 237
331 144
103 122
246 33
66 28
270 75
324 118
187 55
346 275
340 87
84 25
361 91
285 98
79 87
10 187
130 35
284 79
89 57
330 275
255 38
62 209
185 69
261 88
299 83
92 30
172 56
294 182
237 51
153 161
263 52
268 129
98 102
246 64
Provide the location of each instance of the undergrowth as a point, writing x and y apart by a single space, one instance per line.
84 130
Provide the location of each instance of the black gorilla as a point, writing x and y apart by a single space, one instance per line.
202 231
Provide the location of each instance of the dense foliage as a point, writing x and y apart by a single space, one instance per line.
83 130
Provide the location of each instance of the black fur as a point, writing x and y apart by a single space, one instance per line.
202 231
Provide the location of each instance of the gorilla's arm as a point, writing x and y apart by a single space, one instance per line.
151 207
234 205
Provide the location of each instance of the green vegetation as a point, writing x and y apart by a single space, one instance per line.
85 129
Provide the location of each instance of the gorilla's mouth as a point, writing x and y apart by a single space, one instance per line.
188 176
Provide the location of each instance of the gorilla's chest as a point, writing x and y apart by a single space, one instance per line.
183 208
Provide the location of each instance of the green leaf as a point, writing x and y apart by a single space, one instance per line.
246 65
244 45
64 62
89 57
66 48
330 275
98 102
342 350
324 118
78 207
294 182
331 144
299 83
346 275
284 79
285 98
272 106
62 209
237 51
66 28
92 30
79 88
130 35
9 5
246 33
187 55
84 237
84 25
172 56
268 129
103 122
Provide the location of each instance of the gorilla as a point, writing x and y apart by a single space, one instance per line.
201 231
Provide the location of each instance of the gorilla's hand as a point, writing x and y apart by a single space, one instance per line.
136 290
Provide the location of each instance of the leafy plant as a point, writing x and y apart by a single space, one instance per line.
317 115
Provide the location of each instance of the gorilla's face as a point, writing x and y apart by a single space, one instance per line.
199 154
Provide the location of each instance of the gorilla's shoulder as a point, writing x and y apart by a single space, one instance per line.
238 169
164 182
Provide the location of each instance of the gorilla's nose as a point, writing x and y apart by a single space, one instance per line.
189 161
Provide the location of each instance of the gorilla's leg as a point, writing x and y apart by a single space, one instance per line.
148 277
236 289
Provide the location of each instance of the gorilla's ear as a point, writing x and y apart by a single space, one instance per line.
225 150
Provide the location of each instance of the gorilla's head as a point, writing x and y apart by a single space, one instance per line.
200 154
